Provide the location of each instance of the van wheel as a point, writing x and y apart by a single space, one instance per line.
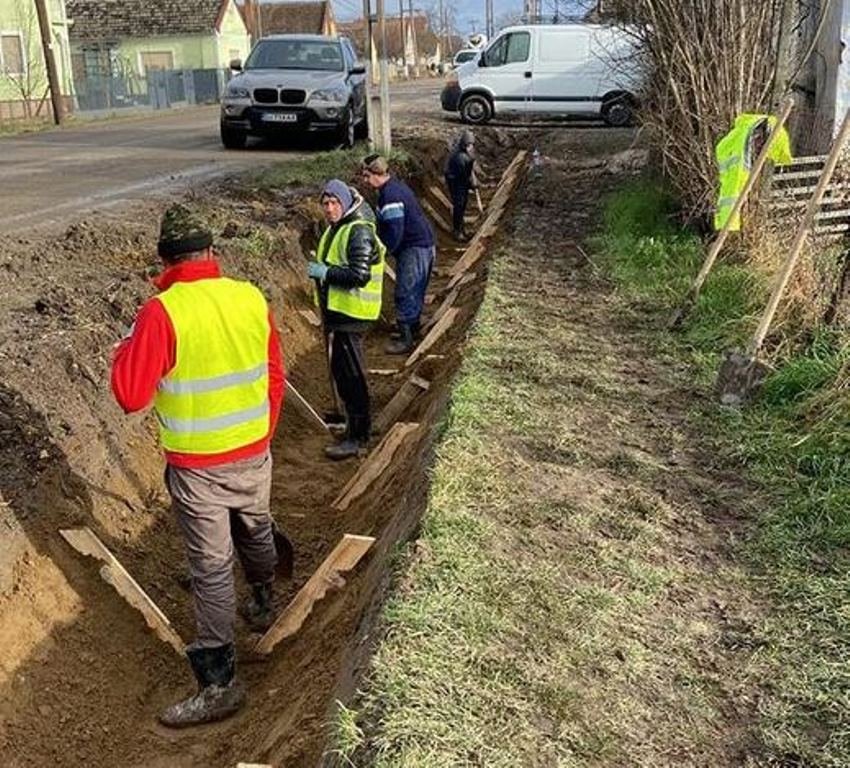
619 110
476 109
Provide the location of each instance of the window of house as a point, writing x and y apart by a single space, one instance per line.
12 53
157 60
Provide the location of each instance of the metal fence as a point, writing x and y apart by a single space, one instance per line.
157 89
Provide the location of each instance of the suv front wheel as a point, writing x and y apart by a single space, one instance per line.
233 138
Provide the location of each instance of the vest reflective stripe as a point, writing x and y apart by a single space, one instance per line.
215 399
734 154
359 303
218 422
198 386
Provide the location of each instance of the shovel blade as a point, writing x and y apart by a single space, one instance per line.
739 378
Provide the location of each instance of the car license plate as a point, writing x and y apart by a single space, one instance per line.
280 117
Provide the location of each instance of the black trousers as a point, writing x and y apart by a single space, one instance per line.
348 368
460 198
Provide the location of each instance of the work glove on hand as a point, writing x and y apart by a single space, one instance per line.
317 270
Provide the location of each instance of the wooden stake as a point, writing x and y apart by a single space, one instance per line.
342 559
390 273
438 218
371 469
113 573
434 335
409 391
441 196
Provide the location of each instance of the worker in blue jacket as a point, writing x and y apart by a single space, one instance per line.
409 238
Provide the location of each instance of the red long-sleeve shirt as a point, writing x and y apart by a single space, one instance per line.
150 352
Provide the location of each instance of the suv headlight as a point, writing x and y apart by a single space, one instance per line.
235 92
332 95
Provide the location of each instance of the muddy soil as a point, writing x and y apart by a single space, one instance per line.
81 677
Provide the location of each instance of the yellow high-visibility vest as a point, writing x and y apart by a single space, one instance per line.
359 303
735 158
215 399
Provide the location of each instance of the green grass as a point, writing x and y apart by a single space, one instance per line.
320 167
533 624
795 440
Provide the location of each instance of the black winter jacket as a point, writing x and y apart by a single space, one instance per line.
460 169
361 255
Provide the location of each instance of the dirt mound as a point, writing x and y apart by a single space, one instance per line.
81 677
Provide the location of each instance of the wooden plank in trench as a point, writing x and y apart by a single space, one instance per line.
347 553
451 298
86 542
393 410
374 466
433 336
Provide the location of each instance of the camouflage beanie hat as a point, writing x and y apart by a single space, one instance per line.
183 231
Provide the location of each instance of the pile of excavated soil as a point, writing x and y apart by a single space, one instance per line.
82 678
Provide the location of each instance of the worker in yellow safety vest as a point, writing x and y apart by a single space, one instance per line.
205 352
349 274
735 153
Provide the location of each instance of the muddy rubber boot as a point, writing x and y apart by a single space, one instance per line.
460 236
219 694
404 344
257 609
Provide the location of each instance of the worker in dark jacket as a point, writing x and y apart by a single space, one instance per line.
406 232
349 272
460 179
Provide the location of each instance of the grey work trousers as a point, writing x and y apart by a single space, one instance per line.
217 508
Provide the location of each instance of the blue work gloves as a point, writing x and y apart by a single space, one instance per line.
317 270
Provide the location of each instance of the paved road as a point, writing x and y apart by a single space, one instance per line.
53 177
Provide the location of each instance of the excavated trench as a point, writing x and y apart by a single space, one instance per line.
82 677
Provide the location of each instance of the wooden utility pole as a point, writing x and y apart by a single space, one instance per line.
50 61
402 36
411 20
380 134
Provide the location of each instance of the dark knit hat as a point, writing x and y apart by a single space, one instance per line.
183 231
341 191
376 164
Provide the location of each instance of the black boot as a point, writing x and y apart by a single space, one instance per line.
219 694
257 610
405 342
355 442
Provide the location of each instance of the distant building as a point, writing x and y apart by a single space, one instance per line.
400 45
23 75
123 41
283 18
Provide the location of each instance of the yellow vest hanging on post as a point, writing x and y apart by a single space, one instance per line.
359 303
735 158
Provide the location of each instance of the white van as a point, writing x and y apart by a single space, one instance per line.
581 69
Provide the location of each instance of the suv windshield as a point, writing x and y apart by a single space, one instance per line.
296 54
